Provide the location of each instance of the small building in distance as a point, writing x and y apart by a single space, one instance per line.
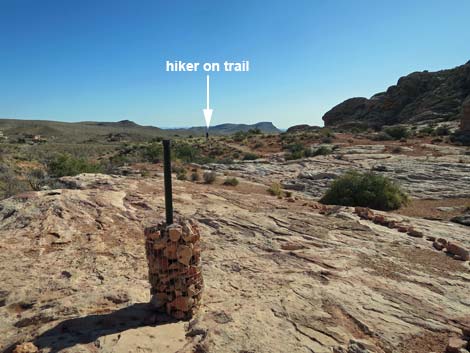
31 139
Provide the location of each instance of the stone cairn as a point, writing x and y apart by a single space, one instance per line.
174 260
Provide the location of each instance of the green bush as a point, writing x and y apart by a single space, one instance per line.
239 136
366 190
296 151
186 153
231 181
153 152
321 151
327 132
10 183
250 156
294 155
295 147
276 190
254 131
66 165
209 177
397 132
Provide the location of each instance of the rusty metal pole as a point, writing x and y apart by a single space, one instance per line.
167 176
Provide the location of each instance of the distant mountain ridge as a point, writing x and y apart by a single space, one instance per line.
229 128
121 130
416 98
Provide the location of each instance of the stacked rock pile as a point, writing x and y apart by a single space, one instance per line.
174 260
456 250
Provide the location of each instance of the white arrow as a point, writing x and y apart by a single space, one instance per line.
208 111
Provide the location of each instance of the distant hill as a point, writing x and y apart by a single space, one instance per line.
227 129
125 130
416 98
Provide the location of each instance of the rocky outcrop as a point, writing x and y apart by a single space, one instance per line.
302 128
279 276
465 119
417 97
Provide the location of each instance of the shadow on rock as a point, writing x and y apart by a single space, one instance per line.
88 329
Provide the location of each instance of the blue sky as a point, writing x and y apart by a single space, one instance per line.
105 60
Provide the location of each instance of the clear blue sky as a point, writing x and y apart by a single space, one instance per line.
105 60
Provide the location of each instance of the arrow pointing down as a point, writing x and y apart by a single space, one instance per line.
208 111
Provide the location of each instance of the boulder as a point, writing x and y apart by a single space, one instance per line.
463 219
414 233
27 347
458 251
455 345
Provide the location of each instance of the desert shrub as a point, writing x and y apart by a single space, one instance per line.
36 179
236 155
250 156
258 144
442 131
231 181
366 190
296 151
195 176
225 160
153 152
254 131
66 165
327 139
10 183
327 132
239 136
397 149
209 177
276 189
186 152
397 132
294 155
427 130
295 147
382 136
181 174
321 151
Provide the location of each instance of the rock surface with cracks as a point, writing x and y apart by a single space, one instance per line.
279 276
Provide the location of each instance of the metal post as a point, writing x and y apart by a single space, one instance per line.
167 175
